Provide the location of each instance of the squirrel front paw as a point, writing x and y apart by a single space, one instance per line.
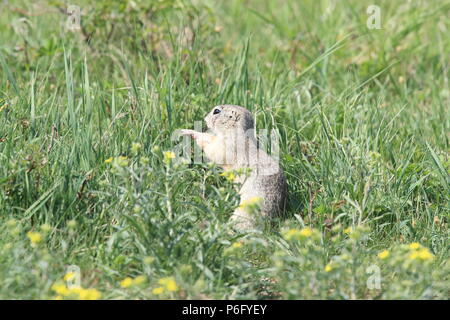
189 132
201 138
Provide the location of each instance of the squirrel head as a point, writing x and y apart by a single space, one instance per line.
228 117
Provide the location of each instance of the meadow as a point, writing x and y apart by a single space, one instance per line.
95 205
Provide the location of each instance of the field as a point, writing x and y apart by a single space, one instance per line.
94 203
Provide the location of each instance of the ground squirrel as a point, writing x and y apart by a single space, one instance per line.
231 144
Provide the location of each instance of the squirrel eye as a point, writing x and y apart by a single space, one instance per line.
216 111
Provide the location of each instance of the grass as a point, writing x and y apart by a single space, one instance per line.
362 116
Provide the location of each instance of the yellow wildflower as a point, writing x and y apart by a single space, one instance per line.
328 268
252 201
60 289
347 230
126 283
35 237
139 280
252 204
69 276
229 175
172 286
413 255
168 283
423 254
75 292
136 147
234 248
306 232
236 245
158 290
414 246
129 282
46 228
109 160
89 294
291 234
383 254
122 161
168 156
296 234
